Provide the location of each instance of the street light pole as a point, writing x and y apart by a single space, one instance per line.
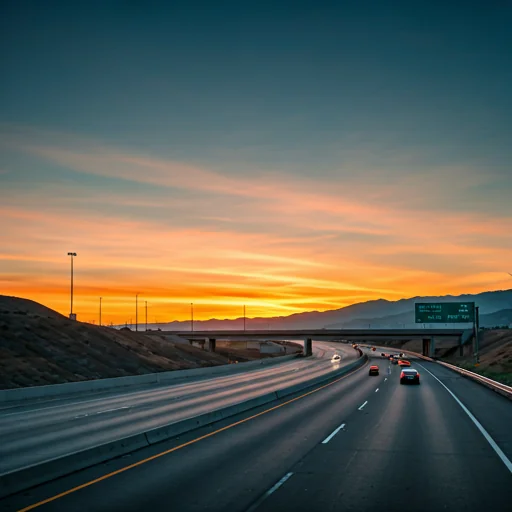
100 310
72 254
192 317
146 315
244 317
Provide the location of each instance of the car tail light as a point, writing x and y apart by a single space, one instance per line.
402 375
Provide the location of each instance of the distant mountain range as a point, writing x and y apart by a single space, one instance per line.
495 309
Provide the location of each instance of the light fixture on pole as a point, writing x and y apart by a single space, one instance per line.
100 310
71 315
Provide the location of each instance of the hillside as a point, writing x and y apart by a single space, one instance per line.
38 346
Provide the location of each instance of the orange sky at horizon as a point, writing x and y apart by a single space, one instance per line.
177 234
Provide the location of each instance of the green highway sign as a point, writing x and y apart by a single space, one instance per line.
444 312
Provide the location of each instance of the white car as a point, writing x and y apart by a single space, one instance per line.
336 358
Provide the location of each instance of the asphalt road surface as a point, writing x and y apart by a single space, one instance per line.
45 430
358 443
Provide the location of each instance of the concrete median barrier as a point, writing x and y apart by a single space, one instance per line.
322 378
25 478
31 476
160 434
90 386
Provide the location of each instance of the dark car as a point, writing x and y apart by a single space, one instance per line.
409 376
374 370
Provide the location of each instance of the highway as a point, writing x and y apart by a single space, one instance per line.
44 430
357 443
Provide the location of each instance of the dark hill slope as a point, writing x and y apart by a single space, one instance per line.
39 346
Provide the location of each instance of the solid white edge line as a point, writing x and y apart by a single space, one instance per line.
329 437
363 405
281 482
479 426
274 488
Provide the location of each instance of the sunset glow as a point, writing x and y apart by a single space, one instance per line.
277 245
251 161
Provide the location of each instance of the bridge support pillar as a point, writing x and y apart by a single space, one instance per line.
426 347
211 344
308 347
432 351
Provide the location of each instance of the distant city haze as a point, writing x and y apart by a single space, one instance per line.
287 158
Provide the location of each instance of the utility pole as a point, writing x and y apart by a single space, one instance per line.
477 327
100 311
146 315
72 254
137 312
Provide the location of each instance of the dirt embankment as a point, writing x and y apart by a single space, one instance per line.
38 346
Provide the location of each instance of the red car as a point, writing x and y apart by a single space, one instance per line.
403 362
374 370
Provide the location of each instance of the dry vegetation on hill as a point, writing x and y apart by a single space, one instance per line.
38 346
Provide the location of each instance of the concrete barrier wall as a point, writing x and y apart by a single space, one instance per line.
30 476
70 388
25 478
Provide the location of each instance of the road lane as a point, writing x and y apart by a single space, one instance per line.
415 448
409 445
230 468
41 433
494 414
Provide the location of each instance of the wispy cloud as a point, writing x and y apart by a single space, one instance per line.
278 241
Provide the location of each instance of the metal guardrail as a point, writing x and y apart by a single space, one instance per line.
503 389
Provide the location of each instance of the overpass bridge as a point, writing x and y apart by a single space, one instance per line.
308 335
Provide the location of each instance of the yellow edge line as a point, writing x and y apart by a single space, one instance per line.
161 454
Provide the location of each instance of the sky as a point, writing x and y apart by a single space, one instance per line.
288 156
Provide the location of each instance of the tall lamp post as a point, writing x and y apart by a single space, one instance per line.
146 314
100 310
244 317
71 316
192 317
